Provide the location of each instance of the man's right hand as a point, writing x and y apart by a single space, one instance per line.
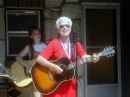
57 69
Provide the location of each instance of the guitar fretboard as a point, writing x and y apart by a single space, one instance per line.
79 62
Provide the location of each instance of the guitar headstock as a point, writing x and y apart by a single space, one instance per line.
108 51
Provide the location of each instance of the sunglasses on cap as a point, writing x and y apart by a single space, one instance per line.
62 26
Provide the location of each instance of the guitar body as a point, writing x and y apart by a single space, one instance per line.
17 70
47 81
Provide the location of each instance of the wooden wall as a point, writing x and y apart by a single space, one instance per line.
24 3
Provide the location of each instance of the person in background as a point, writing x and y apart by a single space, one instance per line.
60 47
32 50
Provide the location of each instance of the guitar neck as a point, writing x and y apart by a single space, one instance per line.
106 52
79 62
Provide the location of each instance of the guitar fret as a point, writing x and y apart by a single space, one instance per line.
69 67
85 60
72 65
80 61
89 59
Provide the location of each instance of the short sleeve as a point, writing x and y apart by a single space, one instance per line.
48 51
80 50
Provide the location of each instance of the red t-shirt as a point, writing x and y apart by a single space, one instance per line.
53 51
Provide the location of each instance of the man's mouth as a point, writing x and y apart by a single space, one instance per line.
64 31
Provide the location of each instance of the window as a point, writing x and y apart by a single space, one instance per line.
17 25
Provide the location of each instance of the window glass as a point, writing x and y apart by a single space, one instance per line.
101 32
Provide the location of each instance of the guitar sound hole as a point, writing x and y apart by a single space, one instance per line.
59 77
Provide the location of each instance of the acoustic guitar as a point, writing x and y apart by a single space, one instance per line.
46 81
22 78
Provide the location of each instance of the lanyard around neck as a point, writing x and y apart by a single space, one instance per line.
67 50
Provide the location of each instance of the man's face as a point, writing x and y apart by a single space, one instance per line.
64 29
